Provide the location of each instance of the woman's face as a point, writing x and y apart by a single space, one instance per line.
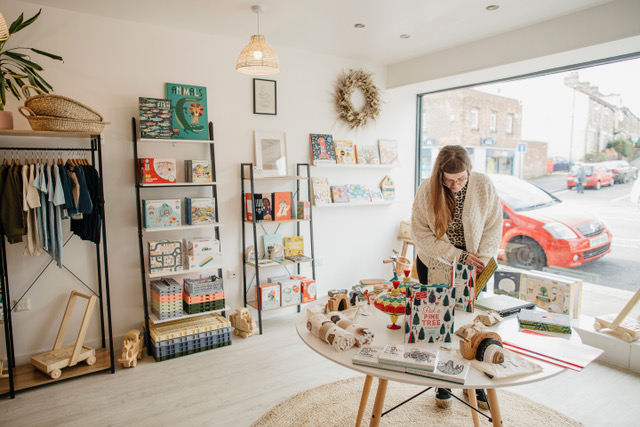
455 181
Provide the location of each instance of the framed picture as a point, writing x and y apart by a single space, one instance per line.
265 100
271 152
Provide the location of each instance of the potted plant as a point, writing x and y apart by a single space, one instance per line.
17 68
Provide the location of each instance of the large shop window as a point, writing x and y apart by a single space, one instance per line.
532 135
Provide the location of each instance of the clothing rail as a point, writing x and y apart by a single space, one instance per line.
43 149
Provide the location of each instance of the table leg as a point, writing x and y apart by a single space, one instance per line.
379 403
495 408
363 400
405 246
473 401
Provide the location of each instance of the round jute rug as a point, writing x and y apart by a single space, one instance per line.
336 404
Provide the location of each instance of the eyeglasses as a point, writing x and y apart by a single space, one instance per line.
450 182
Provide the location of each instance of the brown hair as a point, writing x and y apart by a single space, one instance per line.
451 159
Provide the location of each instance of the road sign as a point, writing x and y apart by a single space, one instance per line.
522 147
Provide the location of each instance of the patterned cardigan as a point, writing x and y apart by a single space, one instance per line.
481 219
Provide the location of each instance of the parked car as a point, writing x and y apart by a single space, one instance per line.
561 164
622 171
539 230
597 176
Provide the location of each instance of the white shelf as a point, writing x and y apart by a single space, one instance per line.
280 264
355 166
182 227
181 272
177 141
348 204
180 184
281 178
153 319
277 222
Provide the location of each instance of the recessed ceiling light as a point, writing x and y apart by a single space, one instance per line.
405 36
358 25
492 7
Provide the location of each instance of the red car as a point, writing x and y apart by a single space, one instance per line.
538 230
597 176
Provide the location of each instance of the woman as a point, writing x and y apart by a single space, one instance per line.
456 215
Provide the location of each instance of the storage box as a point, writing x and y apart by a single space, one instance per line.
199 261
203 286
201 246
303 210
197 171
270 296
165 256
552 292
157 171
201 210
289 292
162 213
309 292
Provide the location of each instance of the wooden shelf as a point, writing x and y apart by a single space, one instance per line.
178 184
45 133
177 141
181 228
179 273
26 376
348 204
277 222
154 319
355 166
279 264
281 178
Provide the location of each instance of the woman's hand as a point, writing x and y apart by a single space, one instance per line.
474 261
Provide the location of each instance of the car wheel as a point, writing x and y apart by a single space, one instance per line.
598 186
526 253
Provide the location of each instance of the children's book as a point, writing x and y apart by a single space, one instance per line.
367 154
281 204
321 191
155 118
388 151
358 193
483 278
368 356
339 194
162 213
422 357
388 188
304 210
504 305
201 210
269 240
507 282
322 149
197 171
376 195
289 292
294 245
450 366
429 314
298 258
165 256
157 171
465 282
544 321
189 111
248 206
267 208
253 207
552 292
345 152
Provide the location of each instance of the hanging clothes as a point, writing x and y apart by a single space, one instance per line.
41 185
12 214
88 228
58 202
32 202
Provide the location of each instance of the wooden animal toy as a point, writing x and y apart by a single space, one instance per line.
243 323
483 346
338 303
132 349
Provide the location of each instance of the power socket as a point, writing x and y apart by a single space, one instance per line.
23 305
232 274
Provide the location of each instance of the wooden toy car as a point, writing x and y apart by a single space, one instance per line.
132 348
243 323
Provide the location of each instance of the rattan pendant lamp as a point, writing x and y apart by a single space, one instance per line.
4 31
258 58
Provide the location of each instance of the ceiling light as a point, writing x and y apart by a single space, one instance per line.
405 36
492 7
358 25
257 58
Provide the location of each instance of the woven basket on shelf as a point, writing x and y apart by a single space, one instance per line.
61 124
57 106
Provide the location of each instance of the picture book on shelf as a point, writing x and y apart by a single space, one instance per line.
294 245
429 314
155 118
201 210
304 209
162 213
321 191
506 282
157 171
358 193
422 357
345 153
189 111
269 241
253 207
388 151
322 149
367 154
339 194
281 205
198 171
165 256
267 208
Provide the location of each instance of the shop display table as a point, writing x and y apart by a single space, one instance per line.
378 322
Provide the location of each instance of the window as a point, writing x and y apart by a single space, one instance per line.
494 119
509 126
474 118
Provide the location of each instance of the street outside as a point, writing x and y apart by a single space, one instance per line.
621 267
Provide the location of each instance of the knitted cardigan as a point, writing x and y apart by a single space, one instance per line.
481 219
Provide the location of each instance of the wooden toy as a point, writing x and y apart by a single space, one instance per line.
4 370
483 346
243 323
338 302
628 328
60 357
132 348
392 303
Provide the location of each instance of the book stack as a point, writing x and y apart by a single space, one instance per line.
543 321
426 360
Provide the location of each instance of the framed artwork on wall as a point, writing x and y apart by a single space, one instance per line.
271 152
265 99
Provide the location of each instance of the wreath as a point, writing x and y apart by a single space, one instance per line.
346 84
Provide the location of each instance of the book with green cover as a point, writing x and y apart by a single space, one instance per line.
189 111
544 321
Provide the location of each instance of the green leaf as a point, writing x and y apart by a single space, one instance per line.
24 61
27 22
13 89
18 76
15 24
50 55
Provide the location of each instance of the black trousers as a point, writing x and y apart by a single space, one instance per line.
423 271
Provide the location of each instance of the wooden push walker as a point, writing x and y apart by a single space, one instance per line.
60 357
627 328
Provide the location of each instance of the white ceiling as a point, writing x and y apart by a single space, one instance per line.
327 26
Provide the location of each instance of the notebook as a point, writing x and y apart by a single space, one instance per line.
503 304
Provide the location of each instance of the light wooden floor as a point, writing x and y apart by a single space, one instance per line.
235 385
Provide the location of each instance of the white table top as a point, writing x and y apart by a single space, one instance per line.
378 322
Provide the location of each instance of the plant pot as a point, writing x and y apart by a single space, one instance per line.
6 120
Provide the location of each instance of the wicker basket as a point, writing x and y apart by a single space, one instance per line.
57 106
60 124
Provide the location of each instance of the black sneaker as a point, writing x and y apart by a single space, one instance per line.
443 397
481 397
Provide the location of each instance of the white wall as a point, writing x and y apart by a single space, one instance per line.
109 63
